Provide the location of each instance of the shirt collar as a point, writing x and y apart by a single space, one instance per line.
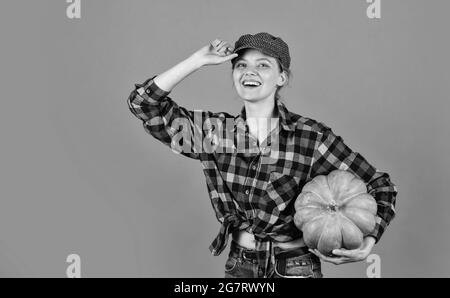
283 112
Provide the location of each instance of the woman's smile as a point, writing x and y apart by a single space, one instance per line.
251 83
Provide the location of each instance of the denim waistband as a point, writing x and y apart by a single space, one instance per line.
249 254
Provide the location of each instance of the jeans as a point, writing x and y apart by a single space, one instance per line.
293 263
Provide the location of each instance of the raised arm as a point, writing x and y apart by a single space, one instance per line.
216 52
161 116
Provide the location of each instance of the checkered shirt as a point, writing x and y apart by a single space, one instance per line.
255 189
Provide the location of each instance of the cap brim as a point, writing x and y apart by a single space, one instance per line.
252 47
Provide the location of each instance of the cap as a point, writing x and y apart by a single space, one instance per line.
267 44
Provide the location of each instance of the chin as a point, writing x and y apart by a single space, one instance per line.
249 97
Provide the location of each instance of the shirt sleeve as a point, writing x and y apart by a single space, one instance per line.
173 125
332 153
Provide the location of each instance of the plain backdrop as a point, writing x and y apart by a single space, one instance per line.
78 173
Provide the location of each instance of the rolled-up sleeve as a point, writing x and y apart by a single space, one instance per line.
332 153
164 119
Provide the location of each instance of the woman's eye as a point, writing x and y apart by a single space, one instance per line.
240 65
263 65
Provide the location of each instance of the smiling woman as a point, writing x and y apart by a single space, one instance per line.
253 198
258 73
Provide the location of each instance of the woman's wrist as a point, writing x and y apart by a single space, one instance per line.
170 78
369 242
195 61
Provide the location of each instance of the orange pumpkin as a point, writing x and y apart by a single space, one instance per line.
335 211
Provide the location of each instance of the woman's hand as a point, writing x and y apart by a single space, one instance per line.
216 52
347 256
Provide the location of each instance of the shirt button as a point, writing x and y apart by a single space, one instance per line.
148 91
247 192
254 167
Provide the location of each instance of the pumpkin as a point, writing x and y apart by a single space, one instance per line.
335 211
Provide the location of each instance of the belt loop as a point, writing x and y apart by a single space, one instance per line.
272 256
268 259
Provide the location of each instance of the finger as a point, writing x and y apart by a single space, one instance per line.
341 261
347 253
228 46
314 252
222 50
230 49
220 45
215 42
342 252
319 254
344 260
225 48
336 261
229 57
333 260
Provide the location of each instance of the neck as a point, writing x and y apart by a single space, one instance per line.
262 117
260 109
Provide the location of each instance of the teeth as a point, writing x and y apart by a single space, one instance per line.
251 83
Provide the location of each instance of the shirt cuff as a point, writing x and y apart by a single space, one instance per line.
150 89
380 226
374 237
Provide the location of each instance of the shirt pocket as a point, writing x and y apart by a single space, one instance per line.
281 189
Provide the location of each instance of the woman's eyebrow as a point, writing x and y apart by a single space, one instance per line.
264 59
243 59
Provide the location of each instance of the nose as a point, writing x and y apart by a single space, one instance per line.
250 71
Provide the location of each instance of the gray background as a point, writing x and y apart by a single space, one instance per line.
80 175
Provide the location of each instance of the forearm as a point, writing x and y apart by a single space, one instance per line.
170 78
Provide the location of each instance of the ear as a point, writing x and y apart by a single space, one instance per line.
282 79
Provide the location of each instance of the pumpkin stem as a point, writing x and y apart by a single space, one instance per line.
333 207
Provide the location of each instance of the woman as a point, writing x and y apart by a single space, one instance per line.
257 162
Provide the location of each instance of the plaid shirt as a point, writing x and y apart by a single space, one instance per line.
255 190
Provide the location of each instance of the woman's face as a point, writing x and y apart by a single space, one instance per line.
256 76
